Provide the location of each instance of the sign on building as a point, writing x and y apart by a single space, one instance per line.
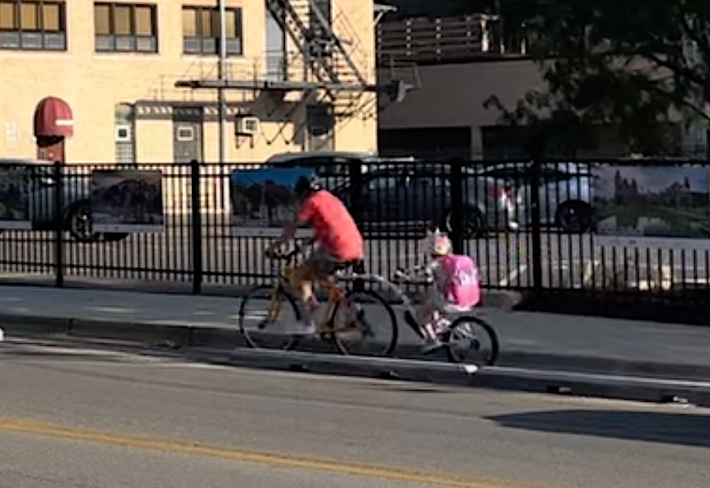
264 199
653 201
127 200
14 198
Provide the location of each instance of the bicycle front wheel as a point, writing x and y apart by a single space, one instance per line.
364 323
472 340
265 315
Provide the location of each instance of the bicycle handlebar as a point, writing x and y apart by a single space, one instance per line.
406 277
298 246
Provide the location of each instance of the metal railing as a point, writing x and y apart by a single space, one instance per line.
440 40
634 227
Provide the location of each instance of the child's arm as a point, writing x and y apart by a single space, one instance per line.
419 274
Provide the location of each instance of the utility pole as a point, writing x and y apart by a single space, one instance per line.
222 68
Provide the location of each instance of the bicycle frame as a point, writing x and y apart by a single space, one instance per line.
285 279
336 293
410 313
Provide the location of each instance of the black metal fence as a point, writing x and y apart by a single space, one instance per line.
540 226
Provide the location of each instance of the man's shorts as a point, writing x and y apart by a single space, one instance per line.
323 264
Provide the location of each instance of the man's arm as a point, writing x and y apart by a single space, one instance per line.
288 232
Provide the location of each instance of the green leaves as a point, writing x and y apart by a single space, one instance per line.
620 63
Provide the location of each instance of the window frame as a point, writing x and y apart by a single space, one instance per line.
182 137
209 45
17 38
113 43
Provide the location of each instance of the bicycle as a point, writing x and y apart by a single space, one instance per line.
344 322
461 328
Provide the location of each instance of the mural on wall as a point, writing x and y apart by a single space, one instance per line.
653 201
264 199
14 198
127 201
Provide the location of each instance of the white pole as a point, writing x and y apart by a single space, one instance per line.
220 92
222 78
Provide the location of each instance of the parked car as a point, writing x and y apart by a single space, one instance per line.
76 207
412 198
333 167
565 193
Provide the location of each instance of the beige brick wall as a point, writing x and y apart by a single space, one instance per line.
93 83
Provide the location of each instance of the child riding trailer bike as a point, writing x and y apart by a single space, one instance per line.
446 318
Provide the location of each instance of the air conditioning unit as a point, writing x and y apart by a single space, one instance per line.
123 133
248 125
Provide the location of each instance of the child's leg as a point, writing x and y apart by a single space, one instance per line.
427 316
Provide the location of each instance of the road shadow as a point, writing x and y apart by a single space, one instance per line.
659 427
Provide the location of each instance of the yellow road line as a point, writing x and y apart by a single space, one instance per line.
241 455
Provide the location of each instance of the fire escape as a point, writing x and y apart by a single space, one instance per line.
328 68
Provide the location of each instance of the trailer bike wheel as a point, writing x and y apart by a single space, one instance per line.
470 339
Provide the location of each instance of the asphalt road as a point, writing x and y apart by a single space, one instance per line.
505 260
77 417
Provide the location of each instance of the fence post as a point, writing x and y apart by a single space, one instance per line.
456 180
535 176
196 226
59 225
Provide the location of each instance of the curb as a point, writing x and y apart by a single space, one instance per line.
203 343
619 387
610 386
221 337
405 369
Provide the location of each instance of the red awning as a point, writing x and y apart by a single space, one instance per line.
53 118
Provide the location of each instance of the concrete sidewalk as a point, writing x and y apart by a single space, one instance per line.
548 341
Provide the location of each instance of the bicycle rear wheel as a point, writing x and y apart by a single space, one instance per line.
471 339
364 324
265 315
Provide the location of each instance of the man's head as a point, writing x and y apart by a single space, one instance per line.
306 186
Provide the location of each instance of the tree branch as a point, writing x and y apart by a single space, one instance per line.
678 69
696 38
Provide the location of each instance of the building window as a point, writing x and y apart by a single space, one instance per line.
123 27
201 28
32 25
124 124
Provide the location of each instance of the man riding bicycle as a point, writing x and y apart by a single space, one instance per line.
338 241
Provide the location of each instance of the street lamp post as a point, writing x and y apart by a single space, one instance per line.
222 69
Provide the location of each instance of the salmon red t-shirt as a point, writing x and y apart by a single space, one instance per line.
335 229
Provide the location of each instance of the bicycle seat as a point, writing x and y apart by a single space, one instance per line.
358 266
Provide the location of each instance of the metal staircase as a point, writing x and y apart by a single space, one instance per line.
329 58
312 32
325 63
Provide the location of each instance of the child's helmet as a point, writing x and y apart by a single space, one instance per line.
439 244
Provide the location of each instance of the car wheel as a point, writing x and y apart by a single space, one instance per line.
473 221
574 217
80 224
